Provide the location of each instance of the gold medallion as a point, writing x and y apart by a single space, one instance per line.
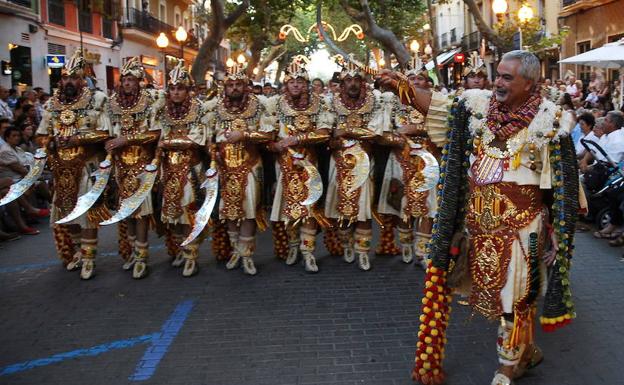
354 121
302 122
68 117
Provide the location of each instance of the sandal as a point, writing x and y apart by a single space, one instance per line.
619 241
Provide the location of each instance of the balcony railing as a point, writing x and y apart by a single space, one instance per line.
147 23
23 3
471 41
56 12
86 22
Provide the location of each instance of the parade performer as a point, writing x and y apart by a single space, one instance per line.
509 178
183 124
241 125
74 127
359 121
475 75
407 191
304 120
131 111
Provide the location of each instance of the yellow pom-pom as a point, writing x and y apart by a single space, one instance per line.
429 350
436 372
432 323
434 278
433 270
428 284
422 318
429 294
424 357
437 315
427 309
434 332
426 365
428 340
422 371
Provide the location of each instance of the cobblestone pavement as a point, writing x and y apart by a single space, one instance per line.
341 326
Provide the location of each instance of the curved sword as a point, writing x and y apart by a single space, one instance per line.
314 183
361 167
130 204
211 184
87 200
431 171
18 189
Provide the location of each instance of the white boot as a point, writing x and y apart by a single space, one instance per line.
363 262
233 261
75 262
293 253
140 265
407 253
349 254
130 262
310 262
178 260
248 266
190 268
88 269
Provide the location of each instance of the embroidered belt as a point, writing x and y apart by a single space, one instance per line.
294 188
238 161
175 176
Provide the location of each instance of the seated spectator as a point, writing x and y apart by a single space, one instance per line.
28 117
28 134
4 124
12 100
586 122
5 109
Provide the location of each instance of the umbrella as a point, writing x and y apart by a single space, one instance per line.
610 55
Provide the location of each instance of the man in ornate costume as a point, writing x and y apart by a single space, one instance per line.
407 191
182 122
131 111
304 120
475 74
241 125
73 128
509 179
359 121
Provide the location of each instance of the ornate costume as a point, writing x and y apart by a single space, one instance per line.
498 196
310 125
77 127
132 118
351 187
184 129
241 165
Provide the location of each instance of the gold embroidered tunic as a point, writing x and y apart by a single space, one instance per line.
181 169
86 123
241 167
304 124
365 124
135 123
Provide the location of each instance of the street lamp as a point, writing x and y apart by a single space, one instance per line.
162 41
229 62
414 46
525 13
241 59
499 7
428 50
181 36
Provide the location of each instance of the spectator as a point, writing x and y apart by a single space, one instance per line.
12 98
28 117
571 87
5 110
318 87
334 83
257 89
268 89
4 124
586 122
27 144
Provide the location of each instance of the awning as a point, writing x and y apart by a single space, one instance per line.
443 58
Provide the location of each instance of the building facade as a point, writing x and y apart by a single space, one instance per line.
592 24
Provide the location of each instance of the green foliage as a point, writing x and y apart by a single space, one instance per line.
533 37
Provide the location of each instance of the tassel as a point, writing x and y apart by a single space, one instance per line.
125 248
516 161
280 240
63 243
221 246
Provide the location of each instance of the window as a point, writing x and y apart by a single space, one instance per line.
56 12
583 72
177 17
162 11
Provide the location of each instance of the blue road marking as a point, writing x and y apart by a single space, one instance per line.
89 352
145 369
160 345
44 265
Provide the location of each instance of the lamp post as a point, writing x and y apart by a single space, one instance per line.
162 41
181 36
500 8
525 13
414 46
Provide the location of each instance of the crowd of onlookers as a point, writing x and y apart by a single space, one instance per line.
19 119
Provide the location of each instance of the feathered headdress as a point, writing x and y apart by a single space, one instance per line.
295 70
351 69
180 75
475 65
133 67
236 71
75 65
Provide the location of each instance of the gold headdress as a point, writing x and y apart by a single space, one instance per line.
474 65
75 65
236 71
351 69
180 75
295 70
133 67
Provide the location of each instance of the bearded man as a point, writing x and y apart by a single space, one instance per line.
304 120
182 122
509 154
241 125
131 112
359 121
74 127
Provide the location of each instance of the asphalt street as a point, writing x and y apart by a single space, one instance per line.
283 326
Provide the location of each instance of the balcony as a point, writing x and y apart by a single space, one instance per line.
147 23
107 28
453 36
444 40
471 41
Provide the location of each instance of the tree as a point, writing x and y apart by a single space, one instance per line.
218 24
389 22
